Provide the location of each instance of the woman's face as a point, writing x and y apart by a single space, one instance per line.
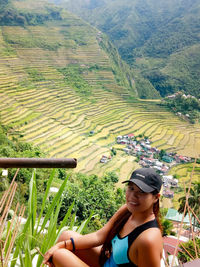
139 201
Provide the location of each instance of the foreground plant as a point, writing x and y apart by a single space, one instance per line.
34 237
9 229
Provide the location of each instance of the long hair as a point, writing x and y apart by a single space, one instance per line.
156 211
107 246
118 224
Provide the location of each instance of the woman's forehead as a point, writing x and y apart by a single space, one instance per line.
133 185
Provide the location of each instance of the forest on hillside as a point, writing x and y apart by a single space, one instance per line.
9 15
159 40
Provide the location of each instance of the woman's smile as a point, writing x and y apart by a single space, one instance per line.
133 203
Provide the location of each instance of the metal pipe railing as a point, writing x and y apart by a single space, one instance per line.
38 163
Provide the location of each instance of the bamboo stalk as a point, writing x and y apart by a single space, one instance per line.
166 263
187 251
187 196
193 237
198 221
39 252
194 215
1 249
11 225
7 207
5 195
21 213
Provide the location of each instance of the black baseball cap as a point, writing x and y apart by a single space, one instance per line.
147 179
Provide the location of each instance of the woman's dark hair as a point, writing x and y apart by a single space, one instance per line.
156 211
118 224
107 246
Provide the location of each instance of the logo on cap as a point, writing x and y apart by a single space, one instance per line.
138 174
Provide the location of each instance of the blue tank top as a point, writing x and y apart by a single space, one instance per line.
120 246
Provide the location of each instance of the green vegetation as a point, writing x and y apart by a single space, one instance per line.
93 193
188 250
13 148
11 16
46 107
35 75
34 234
73 77
124 76
159 40
188 106
193 201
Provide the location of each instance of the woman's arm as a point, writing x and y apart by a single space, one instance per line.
149 249
86 241
96 238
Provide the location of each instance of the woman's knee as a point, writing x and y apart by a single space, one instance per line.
59 256
66 235
65 258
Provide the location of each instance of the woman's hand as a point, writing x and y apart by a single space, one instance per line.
48 255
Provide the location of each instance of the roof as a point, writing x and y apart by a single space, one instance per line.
174 215
169 245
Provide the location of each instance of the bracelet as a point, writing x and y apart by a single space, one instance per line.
73 244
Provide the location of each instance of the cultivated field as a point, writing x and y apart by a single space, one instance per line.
41 104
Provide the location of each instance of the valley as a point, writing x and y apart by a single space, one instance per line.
43 105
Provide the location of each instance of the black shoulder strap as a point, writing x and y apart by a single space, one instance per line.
138 230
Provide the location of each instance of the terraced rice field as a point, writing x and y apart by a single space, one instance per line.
38 103
186 173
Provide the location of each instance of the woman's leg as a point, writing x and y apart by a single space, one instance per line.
65 258
83 257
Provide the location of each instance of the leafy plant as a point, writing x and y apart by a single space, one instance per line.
193 201
41 230
93 192
72 74
187 252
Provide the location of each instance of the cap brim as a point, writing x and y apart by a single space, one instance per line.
145 188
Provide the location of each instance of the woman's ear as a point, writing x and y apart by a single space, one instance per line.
157 196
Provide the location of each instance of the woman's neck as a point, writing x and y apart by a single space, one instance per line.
142 217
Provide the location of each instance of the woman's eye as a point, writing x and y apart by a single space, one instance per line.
136 192
141 192
130 188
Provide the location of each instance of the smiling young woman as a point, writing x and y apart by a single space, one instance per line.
132 237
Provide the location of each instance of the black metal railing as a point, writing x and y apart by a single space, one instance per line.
38 163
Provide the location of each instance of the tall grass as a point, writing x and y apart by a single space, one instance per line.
21 244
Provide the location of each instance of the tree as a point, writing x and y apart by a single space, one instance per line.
185 254
167 227
193 201
92 193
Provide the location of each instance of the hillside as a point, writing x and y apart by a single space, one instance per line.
160 39
64 89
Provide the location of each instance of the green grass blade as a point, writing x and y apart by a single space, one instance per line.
19 241
32 203
55 201
64 221
46 195
84 224
72 223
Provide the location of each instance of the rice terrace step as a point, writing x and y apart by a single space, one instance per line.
47 109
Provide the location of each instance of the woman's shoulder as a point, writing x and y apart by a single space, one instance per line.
150 237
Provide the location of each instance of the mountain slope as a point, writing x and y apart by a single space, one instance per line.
60 89
148 34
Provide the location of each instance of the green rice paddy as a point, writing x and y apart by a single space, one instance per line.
47 111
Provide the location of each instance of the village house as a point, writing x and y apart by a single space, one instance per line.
167 193
147 155
105 159
169 181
